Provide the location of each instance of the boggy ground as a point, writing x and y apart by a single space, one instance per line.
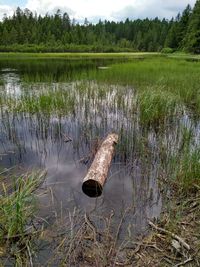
174 240
161 247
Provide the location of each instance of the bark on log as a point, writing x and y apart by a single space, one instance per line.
95 179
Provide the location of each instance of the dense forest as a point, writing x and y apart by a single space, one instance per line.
29 32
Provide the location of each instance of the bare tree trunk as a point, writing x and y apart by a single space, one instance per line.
95 179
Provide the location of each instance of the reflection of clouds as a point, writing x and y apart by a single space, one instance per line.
12 89
12 82
69 172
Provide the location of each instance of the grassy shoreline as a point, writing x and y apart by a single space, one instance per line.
73 55
177 55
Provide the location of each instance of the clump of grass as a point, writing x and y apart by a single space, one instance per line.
17 205
156 105
46 102
188 172
185 164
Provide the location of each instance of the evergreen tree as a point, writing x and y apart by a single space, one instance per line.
192 39
183 25
57 32
172 37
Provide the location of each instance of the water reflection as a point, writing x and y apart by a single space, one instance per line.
12 82
54 69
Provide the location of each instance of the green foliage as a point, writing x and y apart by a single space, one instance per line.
178 29
192 38
172 37
167 50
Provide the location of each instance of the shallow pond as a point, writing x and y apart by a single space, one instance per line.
45 104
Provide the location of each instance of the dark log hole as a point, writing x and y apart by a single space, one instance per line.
92 188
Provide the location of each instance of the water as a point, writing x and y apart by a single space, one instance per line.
37 140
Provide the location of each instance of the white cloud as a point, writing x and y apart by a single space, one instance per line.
49 6
152 9
105 9
6 10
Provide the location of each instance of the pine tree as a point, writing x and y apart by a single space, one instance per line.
183 25
191 41
172 36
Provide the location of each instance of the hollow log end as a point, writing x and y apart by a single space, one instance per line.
92 188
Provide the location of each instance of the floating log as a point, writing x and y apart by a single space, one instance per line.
103 68
95 179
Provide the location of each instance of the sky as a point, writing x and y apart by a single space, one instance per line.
94 10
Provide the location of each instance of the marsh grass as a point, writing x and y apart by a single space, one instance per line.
184 165
155 105
17 204
43 102
17 207
187 174
175 77
16 55
162 86
59 102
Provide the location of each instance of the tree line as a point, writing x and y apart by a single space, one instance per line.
28 31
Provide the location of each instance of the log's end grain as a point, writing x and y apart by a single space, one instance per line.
92 188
